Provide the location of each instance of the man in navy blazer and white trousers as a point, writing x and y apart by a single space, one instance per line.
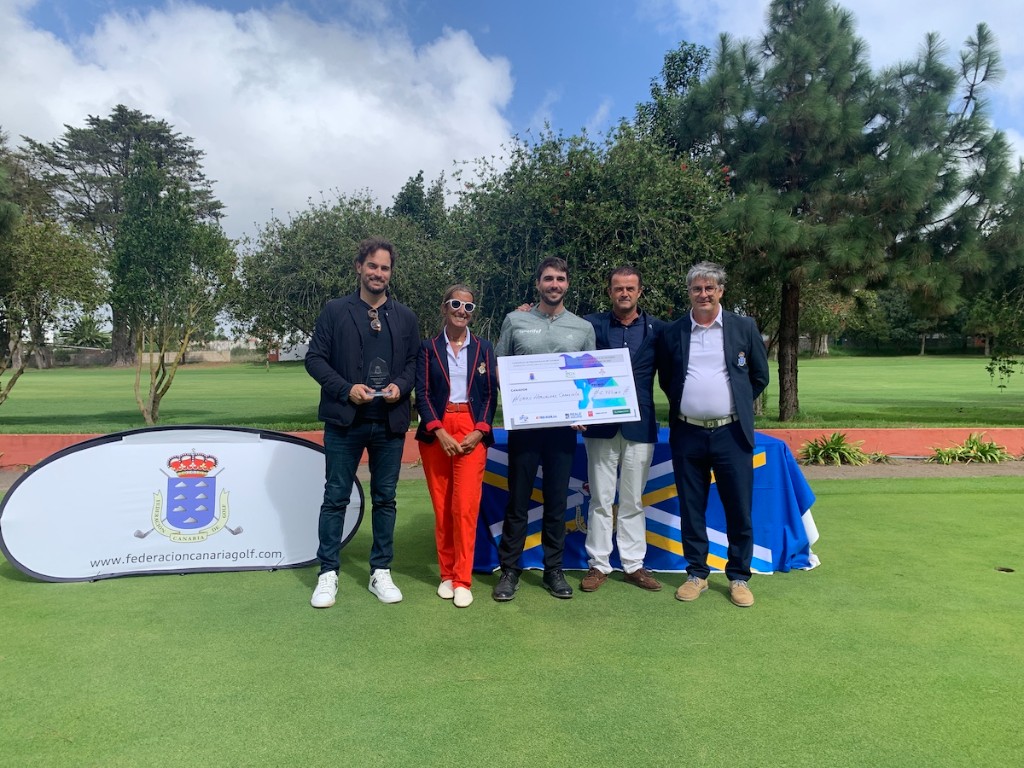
712 365
619 455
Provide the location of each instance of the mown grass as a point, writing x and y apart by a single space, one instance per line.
914 391
904 648
86 400
930 391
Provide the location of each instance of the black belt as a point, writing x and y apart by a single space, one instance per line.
708 423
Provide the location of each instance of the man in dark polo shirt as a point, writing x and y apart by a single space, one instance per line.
619 455
363 355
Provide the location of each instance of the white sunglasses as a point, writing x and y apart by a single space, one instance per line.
459 304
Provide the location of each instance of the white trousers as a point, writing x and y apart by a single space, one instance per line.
610 462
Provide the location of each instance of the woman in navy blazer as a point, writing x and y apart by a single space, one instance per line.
456 396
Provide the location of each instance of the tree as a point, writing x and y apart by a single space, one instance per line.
841 176
681 70
52 272
625 200
1009 311
823 314
172 272
967 235
45 271
423 206
292 268
86 331
992 296
785 121
9 210
10 327
86 171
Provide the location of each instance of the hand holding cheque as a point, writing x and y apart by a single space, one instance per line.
563 389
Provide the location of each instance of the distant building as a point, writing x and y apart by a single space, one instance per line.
288 352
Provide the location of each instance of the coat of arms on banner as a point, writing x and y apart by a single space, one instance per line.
193 511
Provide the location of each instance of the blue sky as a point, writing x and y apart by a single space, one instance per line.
295 101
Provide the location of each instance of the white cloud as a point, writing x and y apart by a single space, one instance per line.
544 115
599 118
284 107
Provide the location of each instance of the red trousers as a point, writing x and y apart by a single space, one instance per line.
455 484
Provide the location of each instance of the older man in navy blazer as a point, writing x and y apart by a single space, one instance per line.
712 365
619 455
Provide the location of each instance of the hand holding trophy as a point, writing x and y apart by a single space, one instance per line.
378 378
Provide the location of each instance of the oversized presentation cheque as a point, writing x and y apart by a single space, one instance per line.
567 388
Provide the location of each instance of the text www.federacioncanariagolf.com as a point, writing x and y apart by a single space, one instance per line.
234 556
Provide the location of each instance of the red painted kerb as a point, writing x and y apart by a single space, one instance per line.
28 450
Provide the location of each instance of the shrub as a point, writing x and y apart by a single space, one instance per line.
971 449
833 449
86 331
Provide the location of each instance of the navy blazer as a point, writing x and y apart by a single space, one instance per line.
335 358
643 362
433 386
747 381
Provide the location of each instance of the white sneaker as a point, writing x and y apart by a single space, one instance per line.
383 587
326 589
463 597
445 591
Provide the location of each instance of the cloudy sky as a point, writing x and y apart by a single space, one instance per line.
293 101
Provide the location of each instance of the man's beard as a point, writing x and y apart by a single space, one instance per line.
545 297
375 288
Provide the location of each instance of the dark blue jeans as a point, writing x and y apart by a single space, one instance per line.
344 448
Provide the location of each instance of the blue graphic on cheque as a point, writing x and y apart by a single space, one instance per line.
191 501
586 360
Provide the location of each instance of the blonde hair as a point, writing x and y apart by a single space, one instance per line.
457 288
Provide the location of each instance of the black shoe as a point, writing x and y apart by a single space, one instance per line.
507 586
555 583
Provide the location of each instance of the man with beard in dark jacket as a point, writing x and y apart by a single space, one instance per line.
363 355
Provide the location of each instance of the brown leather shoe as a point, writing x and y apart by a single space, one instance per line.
642 578
692 589
593 580
740 594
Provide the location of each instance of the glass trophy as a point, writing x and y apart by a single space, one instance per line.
378 376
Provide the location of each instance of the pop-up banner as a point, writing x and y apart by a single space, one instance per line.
170 500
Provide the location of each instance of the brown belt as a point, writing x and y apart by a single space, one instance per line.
457 408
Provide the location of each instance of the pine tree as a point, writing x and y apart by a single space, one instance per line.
842 176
